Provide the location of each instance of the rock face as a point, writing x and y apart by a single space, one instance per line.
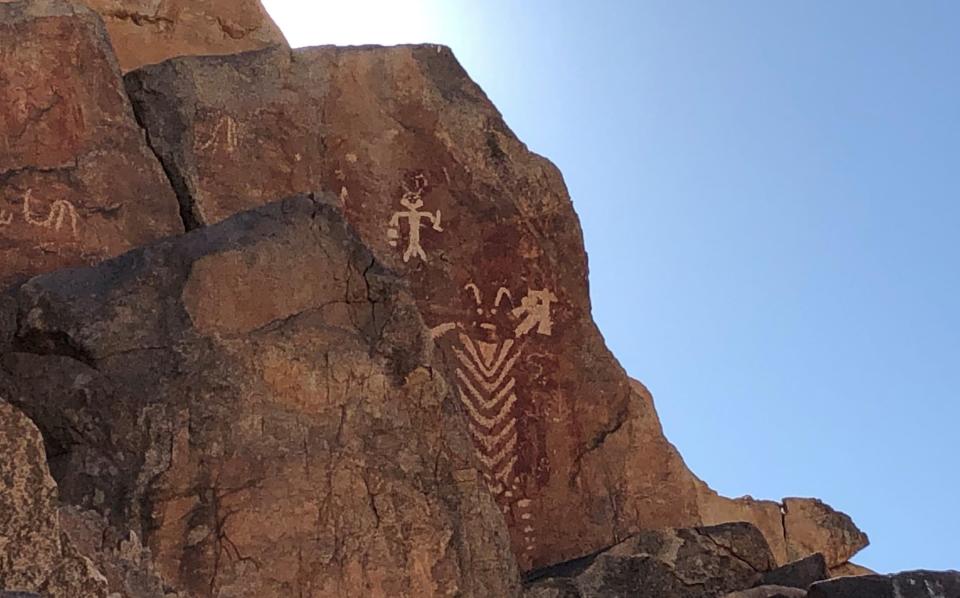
262 407
35 556
259 401
913 584
78 182
443 192
150 31
686 563
813 526
799 574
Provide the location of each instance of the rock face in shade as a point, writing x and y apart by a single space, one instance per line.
769 592
150 31
35 556
443 192
912 584
799 574
123 560
78 182
685 563
260 403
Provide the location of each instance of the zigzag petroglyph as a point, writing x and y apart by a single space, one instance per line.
487 389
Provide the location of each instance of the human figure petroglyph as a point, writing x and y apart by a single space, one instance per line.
61 211
229 129
412 200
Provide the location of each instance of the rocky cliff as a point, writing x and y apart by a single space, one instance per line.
315 322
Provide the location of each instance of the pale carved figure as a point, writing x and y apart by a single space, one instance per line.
412 200
61 212
535 308
229 130
5 218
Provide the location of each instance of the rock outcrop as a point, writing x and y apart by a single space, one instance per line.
150 31
78 183
394 390
35 554
685 563
258 401
799 574
912 584
443 192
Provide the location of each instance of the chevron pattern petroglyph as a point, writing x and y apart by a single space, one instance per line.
487 393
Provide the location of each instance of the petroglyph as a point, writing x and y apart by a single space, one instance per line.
226 128
61 212
488 389
5 218
535 308
412 200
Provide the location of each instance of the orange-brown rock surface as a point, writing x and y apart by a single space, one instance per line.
151 31
260 403
77 181
398 390
443 192
35 554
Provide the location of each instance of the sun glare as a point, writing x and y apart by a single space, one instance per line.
355 22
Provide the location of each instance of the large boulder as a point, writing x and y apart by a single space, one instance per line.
912 584
799 574
78 182
260 403
443 192
685 563
812 526
35 554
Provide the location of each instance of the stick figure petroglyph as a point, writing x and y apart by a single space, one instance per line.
60 211
412 200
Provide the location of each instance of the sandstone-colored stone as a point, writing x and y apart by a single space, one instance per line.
78 182
812 526
444 193
850 569
686 563
304 446
151 31
34 555
766 515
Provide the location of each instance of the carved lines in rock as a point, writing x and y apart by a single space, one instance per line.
412 200
487 393
62 214
226 128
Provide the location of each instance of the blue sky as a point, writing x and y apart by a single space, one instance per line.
770 197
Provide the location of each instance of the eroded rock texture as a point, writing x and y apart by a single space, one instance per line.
442 191
35 556
260 403
685 563
78 182
151 31
911 584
